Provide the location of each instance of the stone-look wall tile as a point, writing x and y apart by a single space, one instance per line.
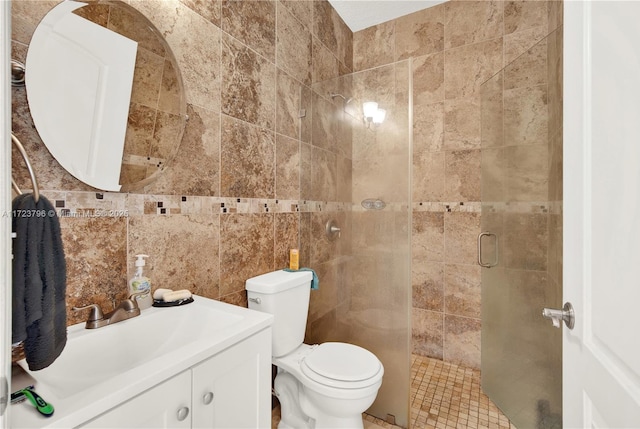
237 298
344 180
374 46
524 14
428 176
427 236
428 79
325 65
246 249
526 116
195 170
494 175
555 80
462 341
462 290
325 123
305 240
468 22
526 240
427 333
147 78
195 43
555 167
368 182
25 17
95 274
170 96
460 232
134 27
287 168
325 298
333 32
515 44
420 33
529 69
322 329
253 22
527 173
247 157
555 14
48 170
554 259
301 9
287 226
492 112
462 120
462 170
428 127
467 67
323 250
428 285
248 84
182 249
294 47
288 105
208 9
168 131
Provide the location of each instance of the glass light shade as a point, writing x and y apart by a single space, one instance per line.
379 116
369 109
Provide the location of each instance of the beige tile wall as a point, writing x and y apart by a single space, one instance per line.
229 207
456 47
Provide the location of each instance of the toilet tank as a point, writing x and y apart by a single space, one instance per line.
285 295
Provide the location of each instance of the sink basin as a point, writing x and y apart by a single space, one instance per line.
98 367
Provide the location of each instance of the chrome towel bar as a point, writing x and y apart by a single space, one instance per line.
32 174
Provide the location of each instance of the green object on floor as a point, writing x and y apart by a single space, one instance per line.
43 407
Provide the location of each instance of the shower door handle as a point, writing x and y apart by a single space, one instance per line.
495 260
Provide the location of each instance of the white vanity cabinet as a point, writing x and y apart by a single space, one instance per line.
167 405
231 389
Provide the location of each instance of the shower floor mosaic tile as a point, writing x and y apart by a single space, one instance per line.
443 396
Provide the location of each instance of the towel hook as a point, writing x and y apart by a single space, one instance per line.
32 174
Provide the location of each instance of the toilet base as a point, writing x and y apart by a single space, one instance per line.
293 401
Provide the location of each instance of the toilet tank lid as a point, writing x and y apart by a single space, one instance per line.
278 281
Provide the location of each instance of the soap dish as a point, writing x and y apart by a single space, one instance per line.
161 303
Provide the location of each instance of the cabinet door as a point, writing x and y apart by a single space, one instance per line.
167 405
233 388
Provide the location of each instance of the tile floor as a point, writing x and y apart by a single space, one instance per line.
443 396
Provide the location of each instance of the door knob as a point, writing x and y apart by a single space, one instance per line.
566 314
183 413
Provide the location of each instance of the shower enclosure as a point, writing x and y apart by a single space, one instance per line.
520 247
356 173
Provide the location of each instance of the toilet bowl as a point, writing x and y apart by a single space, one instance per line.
328 385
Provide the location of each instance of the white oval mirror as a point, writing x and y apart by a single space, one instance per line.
105 93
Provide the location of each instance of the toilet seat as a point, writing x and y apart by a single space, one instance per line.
342 365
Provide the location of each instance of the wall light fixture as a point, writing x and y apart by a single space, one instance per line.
372 113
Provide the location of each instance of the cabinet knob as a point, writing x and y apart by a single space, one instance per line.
207 398
183 413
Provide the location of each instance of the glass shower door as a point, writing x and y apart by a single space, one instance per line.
369 264
521 248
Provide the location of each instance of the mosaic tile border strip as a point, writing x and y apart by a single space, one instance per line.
112 204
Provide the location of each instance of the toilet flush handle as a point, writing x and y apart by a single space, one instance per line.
256 300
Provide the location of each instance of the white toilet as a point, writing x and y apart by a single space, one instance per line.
319 386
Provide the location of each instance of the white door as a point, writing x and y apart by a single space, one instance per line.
601 356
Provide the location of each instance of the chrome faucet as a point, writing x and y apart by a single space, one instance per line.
125 310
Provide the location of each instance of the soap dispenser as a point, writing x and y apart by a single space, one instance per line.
139 283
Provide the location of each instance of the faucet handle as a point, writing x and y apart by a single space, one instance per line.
95 314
